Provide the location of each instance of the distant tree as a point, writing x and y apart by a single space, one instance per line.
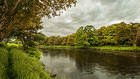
106 35
40 38
70 39
85 36
129 31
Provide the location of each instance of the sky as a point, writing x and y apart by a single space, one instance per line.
92 12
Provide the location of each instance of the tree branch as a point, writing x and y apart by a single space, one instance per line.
16 4
6 4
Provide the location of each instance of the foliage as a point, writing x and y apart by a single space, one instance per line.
120 48
3 63
2 44
57 40
107 35
14 45
34 52
115 35
22 18
25 67
128 32
40 38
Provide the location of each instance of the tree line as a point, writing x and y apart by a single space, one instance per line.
121 34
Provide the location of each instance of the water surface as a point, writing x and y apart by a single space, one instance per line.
91 64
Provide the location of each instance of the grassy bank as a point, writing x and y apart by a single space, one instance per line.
119 48
16 64
59 46
134 49
3 63
25 67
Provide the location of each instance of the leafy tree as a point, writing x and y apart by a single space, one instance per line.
116 34
23 17
40 38
85 36
130 32
71 41
106 35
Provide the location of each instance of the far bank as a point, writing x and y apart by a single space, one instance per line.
113 48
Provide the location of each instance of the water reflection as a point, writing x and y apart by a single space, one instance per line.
91 64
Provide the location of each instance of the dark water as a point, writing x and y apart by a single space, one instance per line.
91 64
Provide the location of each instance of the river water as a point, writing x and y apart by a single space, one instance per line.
91 64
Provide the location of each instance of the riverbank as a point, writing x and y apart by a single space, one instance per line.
117 48
57 46
15 63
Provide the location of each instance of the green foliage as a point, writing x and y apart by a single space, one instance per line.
113 35
25 67
22 18
34 52
2 44
120 48
107 35
14 45
85 36
40 38
3 63
128 33
57 40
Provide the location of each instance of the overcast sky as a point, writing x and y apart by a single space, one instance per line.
92 12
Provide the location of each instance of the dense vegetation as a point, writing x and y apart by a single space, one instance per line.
24 67
4 63
16 64
121 34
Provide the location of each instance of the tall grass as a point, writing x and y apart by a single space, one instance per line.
25 67
3 63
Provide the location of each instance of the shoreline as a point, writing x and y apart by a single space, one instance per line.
111 48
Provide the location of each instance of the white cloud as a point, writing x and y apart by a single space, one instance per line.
92 12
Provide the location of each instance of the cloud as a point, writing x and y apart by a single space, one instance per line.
92 12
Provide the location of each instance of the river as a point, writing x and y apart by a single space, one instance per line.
90 64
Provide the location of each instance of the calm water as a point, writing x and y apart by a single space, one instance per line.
91 64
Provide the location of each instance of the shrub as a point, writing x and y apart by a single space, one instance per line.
33 52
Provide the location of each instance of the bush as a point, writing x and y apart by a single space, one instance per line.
33 52
3 63
25 67
2 44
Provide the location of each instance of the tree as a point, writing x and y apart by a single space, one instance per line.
85 36
106 35
40 38
25 15
71 41
131 32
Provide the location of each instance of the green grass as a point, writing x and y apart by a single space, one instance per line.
14 45
118 48
3 63
25 67
59 46
16 64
